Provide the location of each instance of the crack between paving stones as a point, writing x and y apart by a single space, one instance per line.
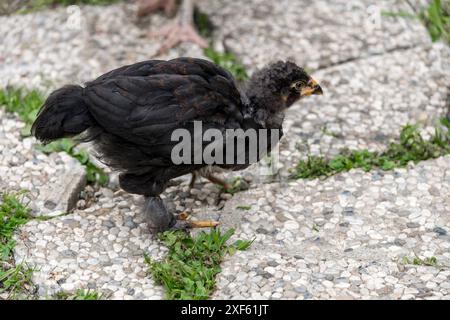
353 59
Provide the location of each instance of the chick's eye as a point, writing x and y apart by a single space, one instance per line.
298 85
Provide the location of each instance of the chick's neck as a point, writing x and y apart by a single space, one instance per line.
266 111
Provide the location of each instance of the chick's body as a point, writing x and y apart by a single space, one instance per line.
131 113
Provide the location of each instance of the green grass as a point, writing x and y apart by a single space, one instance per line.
411 147
229 61
416 261
13 213
14 279
80 294
437 20
26 105
35 5
203 24
190 267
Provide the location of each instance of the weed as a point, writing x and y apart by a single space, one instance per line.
189 270
203 24
14 279
80 294
411 147
25 104
437 20
430 262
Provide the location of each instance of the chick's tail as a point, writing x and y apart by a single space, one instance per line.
64 114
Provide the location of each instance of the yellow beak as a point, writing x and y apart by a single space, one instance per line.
312 88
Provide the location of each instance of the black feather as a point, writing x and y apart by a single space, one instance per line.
130 113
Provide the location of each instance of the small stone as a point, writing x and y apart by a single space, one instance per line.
109 224
71 223
300 289
281 217
49 204
262 231
440 231
348 211
108 193
130 223
117 247
399 242
69 253
81 204
69 287
272 263
412 225
291 225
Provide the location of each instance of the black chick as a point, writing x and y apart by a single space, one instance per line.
130 114
182 29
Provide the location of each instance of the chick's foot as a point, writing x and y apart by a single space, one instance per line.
160 220
177 33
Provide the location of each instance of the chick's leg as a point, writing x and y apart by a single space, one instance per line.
157 216
159 219
193 179
182 30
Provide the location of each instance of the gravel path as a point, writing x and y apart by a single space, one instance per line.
342 238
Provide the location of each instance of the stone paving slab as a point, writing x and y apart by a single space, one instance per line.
316 34
343 237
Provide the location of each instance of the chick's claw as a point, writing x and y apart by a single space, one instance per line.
203 224
185 225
